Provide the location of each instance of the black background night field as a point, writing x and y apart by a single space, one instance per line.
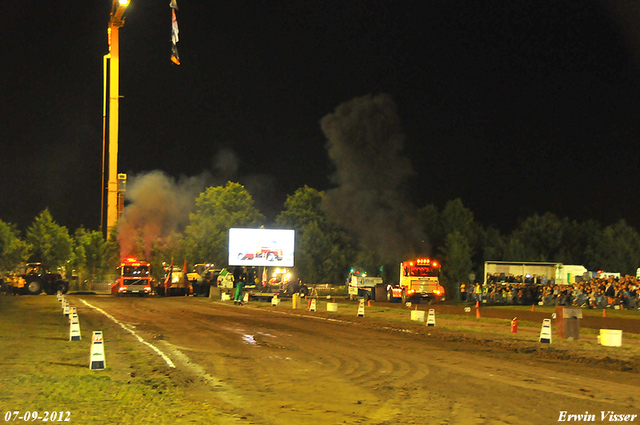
514 107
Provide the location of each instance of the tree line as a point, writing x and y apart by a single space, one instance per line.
325 250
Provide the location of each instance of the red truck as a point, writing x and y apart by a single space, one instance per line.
134 279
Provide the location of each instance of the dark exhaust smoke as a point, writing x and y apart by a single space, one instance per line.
158 205
365 141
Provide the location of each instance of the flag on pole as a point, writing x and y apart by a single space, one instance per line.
174 28
169 278
185 281
175 58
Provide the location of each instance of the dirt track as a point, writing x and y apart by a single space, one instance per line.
262 364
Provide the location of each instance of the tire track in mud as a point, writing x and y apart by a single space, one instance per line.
505 378
236 358
355 368
294 368
222 389
351 375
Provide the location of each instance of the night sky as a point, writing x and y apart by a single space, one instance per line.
514 107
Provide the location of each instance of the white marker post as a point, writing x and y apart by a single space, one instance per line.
97 360
431 318
545 332
74 328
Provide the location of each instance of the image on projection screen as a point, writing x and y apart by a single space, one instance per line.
261 247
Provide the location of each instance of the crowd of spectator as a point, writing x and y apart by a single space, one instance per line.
607 292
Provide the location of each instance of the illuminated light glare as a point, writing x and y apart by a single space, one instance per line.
123 2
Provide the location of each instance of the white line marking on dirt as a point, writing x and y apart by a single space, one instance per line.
128 329
225 392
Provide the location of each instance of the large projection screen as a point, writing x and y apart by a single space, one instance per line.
261 247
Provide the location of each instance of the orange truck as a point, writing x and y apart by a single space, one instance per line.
134 278
419 281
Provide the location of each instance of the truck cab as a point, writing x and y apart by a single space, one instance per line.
362 286
419 281
134 278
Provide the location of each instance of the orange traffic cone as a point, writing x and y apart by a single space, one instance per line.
477 313
533 307
604 313
369 303
477 304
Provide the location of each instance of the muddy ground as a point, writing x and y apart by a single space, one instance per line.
274 365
